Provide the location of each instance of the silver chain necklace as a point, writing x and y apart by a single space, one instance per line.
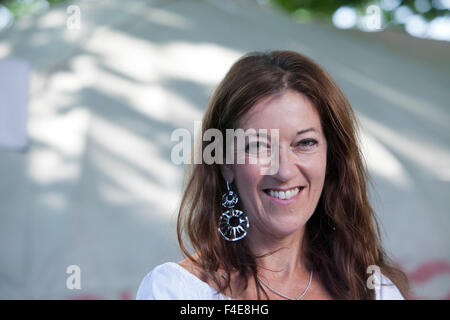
286 297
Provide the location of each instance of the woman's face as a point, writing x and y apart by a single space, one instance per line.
280 204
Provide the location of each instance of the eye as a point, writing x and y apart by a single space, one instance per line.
306 143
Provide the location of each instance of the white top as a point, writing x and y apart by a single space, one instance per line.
170 281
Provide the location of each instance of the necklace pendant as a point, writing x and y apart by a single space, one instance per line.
284 296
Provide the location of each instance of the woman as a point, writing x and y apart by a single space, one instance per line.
304 231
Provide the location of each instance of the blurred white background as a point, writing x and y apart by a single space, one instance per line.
95 186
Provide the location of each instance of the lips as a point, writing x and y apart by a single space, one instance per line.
284 194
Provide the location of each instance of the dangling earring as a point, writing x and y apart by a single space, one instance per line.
233 223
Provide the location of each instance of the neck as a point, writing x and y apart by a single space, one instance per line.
284 264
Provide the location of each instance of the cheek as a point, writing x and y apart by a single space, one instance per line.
323 164
314 168
319 171
320 166
247 178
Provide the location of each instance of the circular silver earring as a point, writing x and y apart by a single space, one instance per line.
233 223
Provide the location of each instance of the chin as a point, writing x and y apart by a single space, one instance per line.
286 229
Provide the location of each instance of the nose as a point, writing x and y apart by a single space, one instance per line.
287 168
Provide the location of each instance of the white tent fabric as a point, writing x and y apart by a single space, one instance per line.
14 83
97 188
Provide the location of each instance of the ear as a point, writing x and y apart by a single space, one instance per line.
227 172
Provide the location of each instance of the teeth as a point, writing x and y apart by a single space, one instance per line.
284 194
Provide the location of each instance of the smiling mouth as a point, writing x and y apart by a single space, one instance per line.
283 194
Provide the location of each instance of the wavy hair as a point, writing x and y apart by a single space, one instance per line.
342 238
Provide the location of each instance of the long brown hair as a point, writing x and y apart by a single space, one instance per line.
342 237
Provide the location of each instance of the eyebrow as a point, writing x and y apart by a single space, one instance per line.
305 130
262 134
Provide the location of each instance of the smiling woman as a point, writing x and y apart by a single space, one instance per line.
306 231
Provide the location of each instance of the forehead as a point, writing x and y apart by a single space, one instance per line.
289 110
